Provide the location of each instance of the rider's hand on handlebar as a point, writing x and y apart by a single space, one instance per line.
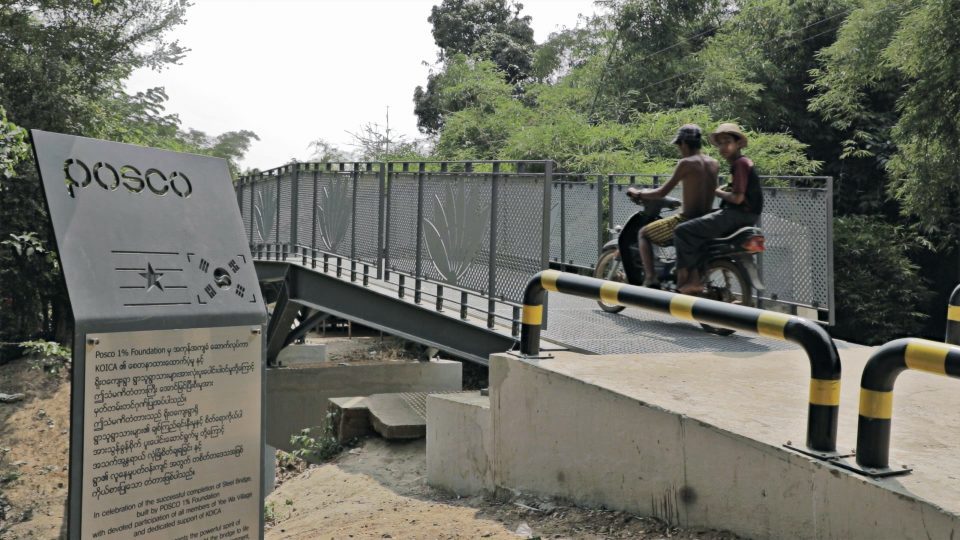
639 194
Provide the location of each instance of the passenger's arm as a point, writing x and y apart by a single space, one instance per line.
741 175
732 198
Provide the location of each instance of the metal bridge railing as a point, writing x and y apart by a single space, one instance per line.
797 267
456 234
824 399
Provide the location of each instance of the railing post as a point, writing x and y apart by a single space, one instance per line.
276 225
295 205
824 396
253 198
419 259
381 181
385 211
492 259
353 222
610 191
563 223
600 228
953 318
545 233
313 215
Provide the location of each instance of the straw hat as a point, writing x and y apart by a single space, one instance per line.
729 129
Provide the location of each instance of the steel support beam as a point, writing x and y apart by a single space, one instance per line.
284 312
395 316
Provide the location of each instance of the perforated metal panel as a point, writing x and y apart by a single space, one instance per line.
580 215
402 224
334 211
246 208
520 230
265 210
556 220
368 215
305 193
286 208
455 248
796 265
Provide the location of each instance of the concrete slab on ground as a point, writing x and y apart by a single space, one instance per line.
297 398
350 417
399 416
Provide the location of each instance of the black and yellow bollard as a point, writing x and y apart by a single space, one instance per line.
953 318
876 391
824 399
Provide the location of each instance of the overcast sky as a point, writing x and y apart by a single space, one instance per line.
293 71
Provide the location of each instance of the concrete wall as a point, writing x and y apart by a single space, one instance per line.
297 398
558 435
460 443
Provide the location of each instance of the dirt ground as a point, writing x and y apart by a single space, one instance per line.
34 441
376 490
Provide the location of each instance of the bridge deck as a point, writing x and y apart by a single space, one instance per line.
579 324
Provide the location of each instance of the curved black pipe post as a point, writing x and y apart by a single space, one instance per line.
824 400
953 318
876 390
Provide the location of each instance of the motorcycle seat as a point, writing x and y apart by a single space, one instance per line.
738 232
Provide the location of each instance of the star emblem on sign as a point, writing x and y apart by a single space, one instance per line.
152 277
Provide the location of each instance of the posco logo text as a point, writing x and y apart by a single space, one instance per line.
79 175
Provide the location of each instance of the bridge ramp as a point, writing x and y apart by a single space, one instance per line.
697 439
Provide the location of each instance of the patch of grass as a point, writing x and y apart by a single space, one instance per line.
48 356
318 444
269 515
8 477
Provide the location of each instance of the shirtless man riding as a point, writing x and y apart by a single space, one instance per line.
698 172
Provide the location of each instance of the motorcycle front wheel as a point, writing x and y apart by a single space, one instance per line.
724 281
610 268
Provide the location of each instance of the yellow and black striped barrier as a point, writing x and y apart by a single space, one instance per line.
824 360
876 390
953 318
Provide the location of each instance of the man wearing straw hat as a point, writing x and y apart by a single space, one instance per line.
740 207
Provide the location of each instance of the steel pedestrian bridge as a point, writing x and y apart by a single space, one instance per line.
439 253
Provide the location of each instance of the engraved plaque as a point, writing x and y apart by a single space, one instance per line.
172 436
166 392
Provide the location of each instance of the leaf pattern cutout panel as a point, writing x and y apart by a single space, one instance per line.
454 237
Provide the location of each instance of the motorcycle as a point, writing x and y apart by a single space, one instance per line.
729 272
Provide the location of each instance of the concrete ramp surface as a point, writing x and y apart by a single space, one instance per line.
697 440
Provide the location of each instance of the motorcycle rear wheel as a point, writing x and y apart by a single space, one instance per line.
610 268
724 281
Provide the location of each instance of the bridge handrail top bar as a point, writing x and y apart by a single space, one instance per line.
491 161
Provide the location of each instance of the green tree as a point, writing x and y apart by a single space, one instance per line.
61 69
889 83
880 294
647 64
13 147
488 29
484 29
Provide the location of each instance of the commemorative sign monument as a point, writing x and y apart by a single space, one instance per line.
166 413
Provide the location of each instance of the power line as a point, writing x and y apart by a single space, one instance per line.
760 44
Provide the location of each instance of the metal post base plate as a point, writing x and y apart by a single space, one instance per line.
852 466
816 454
